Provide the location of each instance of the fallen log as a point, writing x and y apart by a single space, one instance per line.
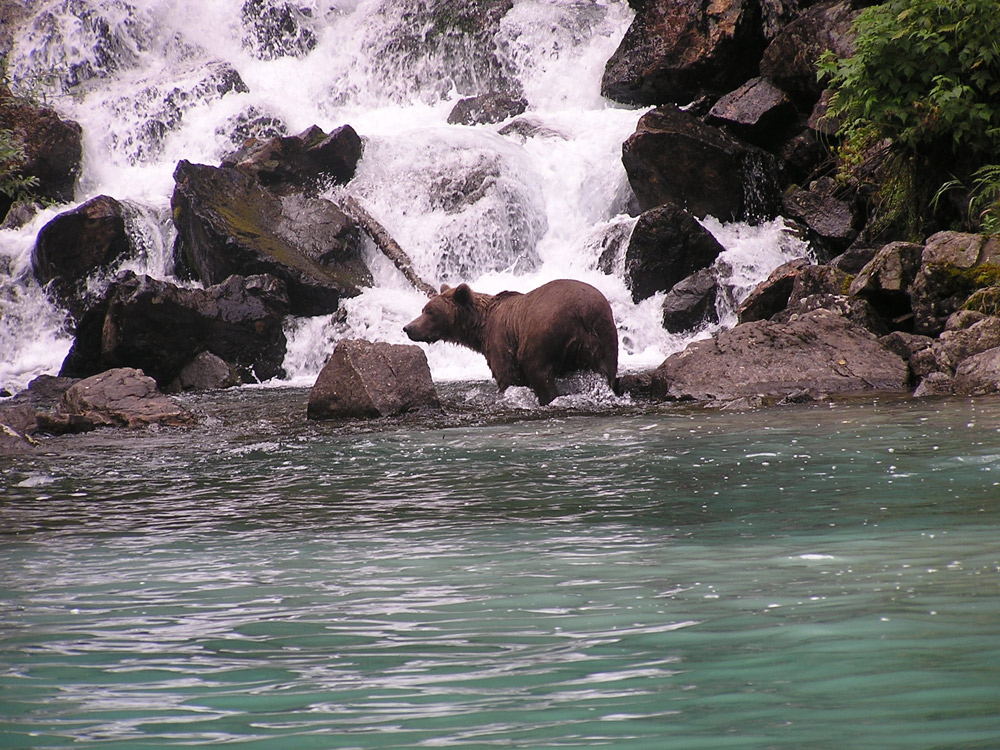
389 247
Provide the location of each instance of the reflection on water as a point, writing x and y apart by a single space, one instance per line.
818 576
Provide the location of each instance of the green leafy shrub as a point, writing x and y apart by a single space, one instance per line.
13 184
919 106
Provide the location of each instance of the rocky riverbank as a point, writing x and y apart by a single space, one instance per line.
735 129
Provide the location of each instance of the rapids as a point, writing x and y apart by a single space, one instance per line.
144 79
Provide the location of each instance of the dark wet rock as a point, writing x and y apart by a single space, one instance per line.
53 148
771 295
89 239
206 372
666 246
691 302
673 52
160 328
979 374
486 109
819 351
366 380
122 397
43 395
829 218
673 157
758 112
228 224
855 258
251 124
790 60
277 29
301 162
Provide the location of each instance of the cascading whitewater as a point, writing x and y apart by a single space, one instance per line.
156 81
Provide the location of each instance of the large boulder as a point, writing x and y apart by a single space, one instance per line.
227 223
160 328
790 60
53 148
366 380
818 351
666 246
674 51
673 157
74 245
122 397
295 163
953 266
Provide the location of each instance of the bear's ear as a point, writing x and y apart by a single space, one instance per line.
463 295
444 288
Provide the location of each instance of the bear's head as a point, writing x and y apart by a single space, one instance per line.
453 315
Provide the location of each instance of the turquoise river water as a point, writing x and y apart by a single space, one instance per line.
821 576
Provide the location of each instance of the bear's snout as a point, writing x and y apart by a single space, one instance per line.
416 332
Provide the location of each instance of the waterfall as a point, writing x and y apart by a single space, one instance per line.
505 206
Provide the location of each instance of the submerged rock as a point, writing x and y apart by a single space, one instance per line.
366 380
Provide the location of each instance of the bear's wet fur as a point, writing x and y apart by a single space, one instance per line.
529 339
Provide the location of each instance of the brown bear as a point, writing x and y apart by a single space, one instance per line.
528 339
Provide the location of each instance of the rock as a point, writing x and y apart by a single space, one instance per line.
292 164
854 309
206 372
673 157
886 282
53 149
790 60
829 219
691 302
673 52
14 443
953 266
758 112
667 245
954 347
979 374
486 108
228 224
277 29
771 295
906 345
158 327
43 394
78 243
819 351
366 380
935 384
122 397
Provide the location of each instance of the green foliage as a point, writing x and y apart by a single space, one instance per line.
13 184
919 101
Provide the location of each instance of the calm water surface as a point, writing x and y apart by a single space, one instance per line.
815 576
